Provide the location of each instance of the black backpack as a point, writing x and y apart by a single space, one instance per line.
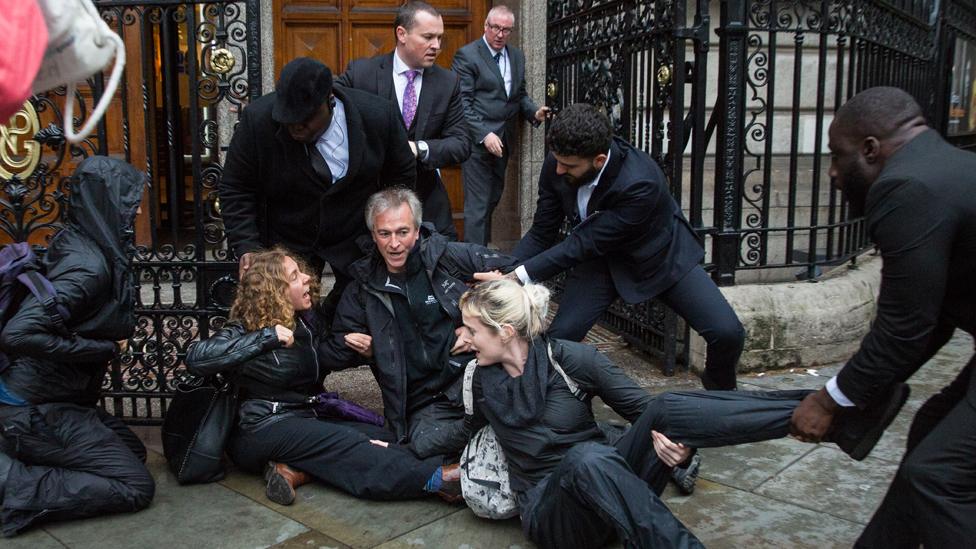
21 272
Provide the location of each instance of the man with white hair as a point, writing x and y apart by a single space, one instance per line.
493 93
401 314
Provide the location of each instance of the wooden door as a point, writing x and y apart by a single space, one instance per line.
338 31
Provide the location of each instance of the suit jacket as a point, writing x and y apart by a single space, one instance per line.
921 212
632 223
486 105
269 193
440 116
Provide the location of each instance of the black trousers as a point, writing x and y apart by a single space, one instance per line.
598 490
695 298
484 180
932 499
437 209
438 430
69 462
336 453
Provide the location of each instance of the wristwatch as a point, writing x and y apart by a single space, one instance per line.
422 150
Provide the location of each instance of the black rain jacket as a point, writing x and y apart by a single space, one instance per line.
366 307
533 452
88 263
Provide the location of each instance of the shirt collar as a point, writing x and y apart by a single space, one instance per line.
596 180
399 67
335 134
491 49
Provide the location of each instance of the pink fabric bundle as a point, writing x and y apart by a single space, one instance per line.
23 39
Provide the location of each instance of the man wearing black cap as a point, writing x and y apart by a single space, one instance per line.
303 161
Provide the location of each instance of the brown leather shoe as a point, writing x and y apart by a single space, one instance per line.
282 481
451 484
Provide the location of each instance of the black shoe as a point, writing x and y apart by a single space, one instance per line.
685 477
857 431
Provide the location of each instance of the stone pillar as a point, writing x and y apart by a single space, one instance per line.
514 213
533 17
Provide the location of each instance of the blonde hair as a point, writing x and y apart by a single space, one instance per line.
262 298
504 301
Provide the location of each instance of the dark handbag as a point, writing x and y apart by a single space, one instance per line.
195 430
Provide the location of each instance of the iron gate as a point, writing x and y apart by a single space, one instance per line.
191 66
746 159
631 59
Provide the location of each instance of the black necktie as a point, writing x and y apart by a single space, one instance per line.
319 165
498 57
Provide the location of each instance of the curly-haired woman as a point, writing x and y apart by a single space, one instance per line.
269 348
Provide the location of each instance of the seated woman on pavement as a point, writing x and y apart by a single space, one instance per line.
61 456
268 347
573 487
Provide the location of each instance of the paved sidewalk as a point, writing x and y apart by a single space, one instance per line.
781 493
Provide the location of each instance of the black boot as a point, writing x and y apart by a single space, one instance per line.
856 431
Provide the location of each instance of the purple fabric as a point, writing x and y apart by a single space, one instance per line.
330 405
409 99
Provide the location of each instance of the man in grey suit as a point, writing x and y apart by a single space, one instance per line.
493 93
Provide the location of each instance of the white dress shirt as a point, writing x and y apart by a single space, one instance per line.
583 195
334 143
400 79
503 65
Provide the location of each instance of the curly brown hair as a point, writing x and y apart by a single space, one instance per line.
262 298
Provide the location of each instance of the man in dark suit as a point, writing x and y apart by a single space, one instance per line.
493 92
918 195
303 161
429 99
629 240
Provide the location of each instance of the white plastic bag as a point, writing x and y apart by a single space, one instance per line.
80 44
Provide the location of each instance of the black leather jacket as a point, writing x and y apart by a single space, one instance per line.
260 366
88 265
535 451
367 308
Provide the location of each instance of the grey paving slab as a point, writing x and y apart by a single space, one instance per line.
354 522
207 515
828 481
464 530
725 517
311 540
796 378
32 539
747 466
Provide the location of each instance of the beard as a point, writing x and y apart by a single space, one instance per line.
585 178
856 187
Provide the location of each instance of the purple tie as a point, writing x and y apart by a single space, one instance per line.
409 99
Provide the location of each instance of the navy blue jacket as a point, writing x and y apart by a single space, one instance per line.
632 223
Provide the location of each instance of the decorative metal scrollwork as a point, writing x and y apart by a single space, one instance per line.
222 60
19 150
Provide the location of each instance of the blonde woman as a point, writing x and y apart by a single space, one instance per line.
269 348
575 488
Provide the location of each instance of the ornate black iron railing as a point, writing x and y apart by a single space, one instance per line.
747 159
744 159
191 66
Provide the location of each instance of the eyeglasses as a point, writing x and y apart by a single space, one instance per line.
500 30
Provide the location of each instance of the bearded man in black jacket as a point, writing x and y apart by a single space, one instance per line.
401 314
61 457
